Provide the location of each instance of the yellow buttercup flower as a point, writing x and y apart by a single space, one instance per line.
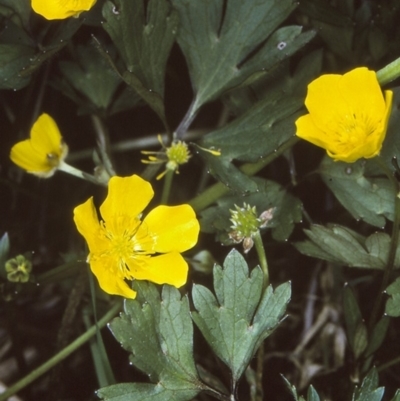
124 247
44 152
348 115
61 9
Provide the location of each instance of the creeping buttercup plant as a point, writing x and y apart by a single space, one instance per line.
205 192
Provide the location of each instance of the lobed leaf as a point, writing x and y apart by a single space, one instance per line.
239 317
225 46
368 198
144 37
159 335
344 246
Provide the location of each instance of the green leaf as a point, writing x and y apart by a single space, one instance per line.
360 340
366 198
17 11
13 60
287 210
291 388
283 79
237 320
356 329
368 390
91 76
396 396
262 128
312 394
324 12
144 392
341 245
4 250
225 47
144 38
259 131
391 144
377 336
159 334
392 307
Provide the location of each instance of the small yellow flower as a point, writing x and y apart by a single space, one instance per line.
18 269
348 115
44 152
123 247
175 155
61 9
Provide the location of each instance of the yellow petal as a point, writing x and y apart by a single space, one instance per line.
169 268
30 159
127 196
110 282
360 88
173 228
348 115
61 9
42 153
87 223
306 129
46 136
332 97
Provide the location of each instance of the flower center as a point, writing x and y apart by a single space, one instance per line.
126 244
352 131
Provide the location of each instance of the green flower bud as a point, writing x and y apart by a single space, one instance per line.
18 269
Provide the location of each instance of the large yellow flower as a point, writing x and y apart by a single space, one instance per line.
348 115
61 9
44 152
123 247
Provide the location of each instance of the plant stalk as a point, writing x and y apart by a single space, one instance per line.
64 353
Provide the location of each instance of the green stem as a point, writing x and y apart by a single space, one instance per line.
64 353
169 175
389 73
262 258
393 242
260 353
77 173
213 193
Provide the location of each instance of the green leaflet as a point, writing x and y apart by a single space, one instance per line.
339 244
369 390
240 316
393 303
159 334
218 44
262 127
368 198
91 76
144 40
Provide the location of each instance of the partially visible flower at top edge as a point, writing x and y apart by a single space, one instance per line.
61 9
44 152
174 155
18 269
348 115
124 247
